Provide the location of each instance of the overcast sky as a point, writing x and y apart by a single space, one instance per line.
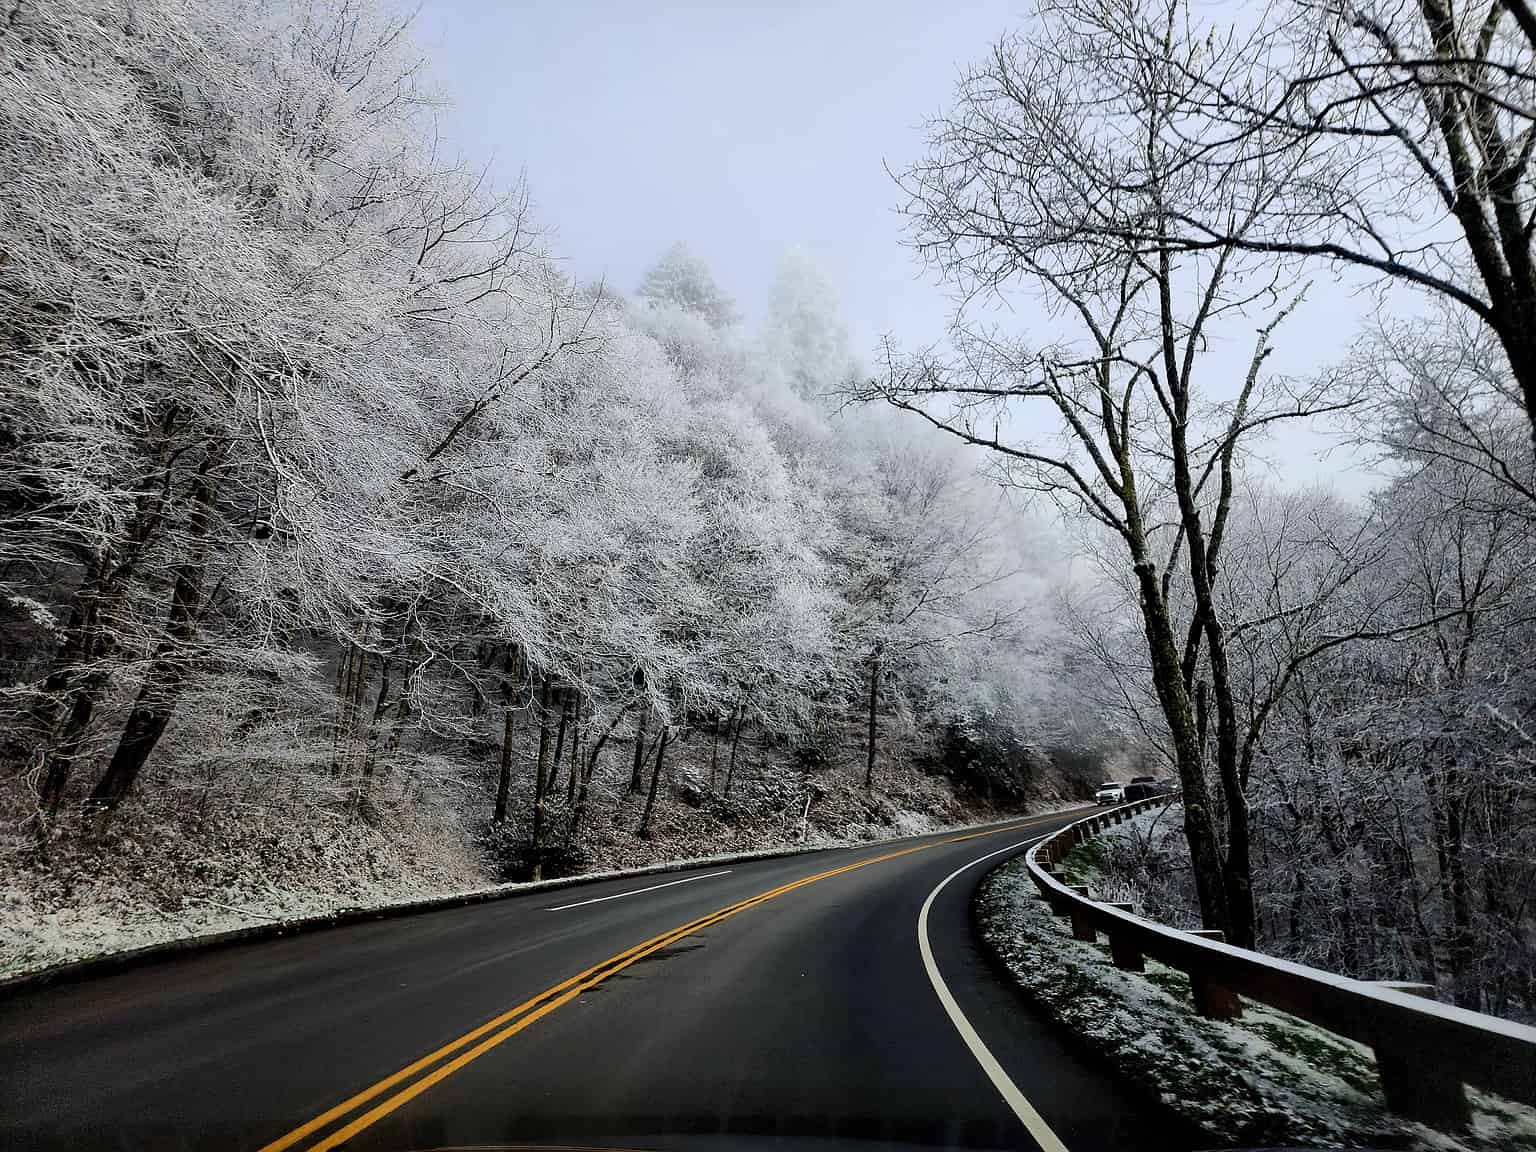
742 129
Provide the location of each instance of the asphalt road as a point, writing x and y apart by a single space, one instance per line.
809 1018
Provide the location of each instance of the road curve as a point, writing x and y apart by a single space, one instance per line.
792 1002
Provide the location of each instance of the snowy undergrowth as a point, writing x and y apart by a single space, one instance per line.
768 810
1267 1079
1143 861
152 875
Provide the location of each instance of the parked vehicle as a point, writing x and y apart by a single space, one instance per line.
1142 787
1110 792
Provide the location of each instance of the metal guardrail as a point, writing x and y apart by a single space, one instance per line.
1426 1053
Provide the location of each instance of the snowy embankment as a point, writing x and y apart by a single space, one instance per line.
42 939
104 905
1266 1079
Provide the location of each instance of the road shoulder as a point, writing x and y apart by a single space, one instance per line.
1267 1080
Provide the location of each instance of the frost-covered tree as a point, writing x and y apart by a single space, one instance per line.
682 280
326 498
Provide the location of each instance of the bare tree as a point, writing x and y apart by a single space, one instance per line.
1404 138
1442 401
1058 170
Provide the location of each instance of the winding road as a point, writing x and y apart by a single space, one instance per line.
835 998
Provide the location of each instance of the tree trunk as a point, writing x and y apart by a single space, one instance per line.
360 681
874 703
541 764
540 778
579 808
504 766
108 572
380 706
554 760
1237 868
351 691
1450 839
1519 339
730 769
402 714
163 682
714 748
637 773
1168 679
650 798
586 777
64 748
86 643
570 784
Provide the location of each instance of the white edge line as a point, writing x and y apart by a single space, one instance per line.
1022 1108
637 891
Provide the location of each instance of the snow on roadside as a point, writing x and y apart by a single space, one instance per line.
107 914
1267 1079
148 882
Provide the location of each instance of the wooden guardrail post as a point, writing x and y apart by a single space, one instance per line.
1122 948
1082 926
1420 1085
1212 1000
1060 907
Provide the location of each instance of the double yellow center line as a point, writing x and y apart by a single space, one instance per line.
478 1041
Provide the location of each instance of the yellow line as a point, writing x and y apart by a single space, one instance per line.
430 1058
546 1002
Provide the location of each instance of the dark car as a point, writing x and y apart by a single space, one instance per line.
1142 787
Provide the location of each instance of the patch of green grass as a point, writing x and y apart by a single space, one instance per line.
1085 862
1321 1052
1171 982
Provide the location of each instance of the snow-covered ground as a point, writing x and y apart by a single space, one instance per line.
1266 1079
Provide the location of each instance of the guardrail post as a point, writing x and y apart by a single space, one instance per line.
1082 926
1124 953
1213 1001
1418 1085
1122 949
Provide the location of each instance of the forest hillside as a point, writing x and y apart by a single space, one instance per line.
348 549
